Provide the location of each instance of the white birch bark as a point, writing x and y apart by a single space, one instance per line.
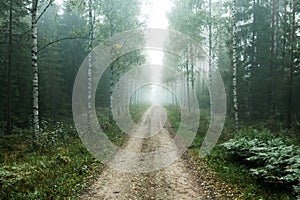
111 88
90 65
35 78
210 63
234 68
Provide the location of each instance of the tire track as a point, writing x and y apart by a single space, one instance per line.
172 182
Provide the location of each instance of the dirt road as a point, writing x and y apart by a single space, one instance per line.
143 176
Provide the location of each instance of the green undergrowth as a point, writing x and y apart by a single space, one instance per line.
272 159
261 180
235 173
136 111
270 169
111 129
58 169
174 116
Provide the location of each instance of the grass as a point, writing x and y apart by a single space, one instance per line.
174 116
55 173
59 169
136 111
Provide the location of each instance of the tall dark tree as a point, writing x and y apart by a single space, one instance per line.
292 63
9 69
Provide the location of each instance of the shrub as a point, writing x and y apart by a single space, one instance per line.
272 159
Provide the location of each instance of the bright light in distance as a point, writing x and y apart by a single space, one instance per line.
156 59
156 11
160 96
155 56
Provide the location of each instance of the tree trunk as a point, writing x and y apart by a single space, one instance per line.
187 83
35 79
272 64
210 63
291 71
253 63
90 66
234 69
8 114
111 89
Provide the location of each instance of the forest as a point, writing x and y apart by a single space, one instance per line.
99 102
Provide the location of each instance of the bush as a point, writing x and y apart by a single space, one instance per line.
272 159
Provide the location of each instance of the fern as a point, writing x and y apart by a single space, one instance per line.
274 160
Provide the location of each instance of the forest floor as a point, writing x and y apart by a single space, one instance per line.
143 177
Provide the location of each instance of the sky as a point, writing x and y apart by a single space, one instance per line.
156 14
156 11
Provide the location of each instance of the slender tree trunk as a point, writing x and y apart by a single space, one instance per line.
291 71
199 85
119 90
174 97
9 103
210 62
234 69
90 65
111 92
285 40
187 83
111 82
277 64
284 59
284 34
253 62
272 65
125 98
35 79
192 73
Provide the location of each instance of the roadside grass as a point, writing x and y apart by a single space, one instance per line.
59 169
230 171
136 111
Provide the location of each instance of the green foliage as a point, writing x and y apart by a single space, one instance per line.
272 159
174 116
58 169
111 129
136 111
237 174
54 133
54 174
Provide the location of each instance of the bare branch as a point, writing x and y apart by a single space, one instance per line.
45 9
59 40
29 9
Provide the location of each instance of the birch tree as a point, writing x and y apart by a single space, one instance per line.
234 68
35 78
34 64
210 73
90 63
119 16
